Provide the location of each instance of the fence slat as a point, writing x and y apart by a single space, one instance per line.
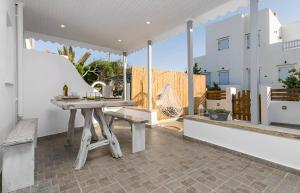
285 94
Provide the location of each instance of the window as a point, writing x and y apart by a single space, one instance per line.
223 43
283 72
248 41
224 77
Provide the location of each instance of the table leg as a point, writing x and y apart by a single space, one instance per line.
85 139
71 127
112 139
94 134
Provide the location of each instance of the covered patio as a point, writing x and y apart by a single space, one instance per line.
170 162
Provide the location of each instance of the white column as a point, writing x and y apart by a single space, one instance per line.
229 92
190 66
265 92
254 61
149 62
124 75
20 45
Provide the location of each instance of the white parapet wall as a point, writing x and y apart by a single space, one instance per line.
272 111
280 150
44 76
284 112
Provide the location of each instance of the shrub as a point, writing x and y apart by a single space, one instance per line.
293 79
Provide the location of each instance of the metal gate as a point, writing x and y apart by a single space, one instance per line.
241 105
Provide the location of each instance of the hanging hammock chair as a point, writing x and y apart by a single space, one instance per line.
168 102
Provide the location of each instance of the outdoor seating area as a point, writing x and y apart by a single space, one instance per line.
81 114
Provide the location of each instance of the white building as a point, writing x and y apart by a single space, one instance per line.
227 59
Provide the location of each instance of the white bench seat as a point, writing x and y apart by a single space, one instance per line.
18 156
137 126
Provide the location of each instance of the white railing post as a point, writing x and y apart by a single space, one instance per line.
265 92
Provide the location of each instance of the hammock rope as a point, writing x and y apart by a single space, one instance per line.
168 102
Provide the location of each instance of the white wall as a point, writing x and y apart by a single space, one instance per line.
268 147
216 104
44 77
7 70
289 116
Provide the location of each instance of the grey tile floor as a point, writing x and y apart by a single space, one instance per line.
169 164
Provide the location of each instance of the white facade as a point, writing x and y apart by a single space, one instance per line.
233 60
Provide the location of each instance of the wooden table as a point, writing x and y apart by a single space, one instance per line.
90 109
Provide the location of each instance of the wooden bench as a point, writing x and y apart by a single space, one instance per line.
137 127
18 156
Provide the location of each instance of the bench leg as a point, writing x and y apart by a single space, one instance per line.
85 139
112 139
71 127
138 137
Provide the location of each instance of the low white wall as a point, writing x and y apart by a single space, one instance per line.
216 104
267 147
44 77
290 115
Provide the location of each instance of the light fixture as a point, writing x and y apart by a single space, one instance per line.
148 22
62 26
119 40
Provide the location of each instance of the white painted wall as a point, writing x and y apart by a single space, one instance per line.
236 59
7 70
216 104
44 77
267 147
289 116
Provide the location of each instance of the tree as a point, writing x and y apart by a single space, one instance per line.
97 70
293 79
196 69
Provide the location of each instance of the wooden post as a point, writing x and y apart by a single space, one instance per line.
124 76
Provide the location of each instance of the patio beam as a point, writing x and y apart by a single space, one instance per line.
190 60
125 75
20 45
149 65
254 61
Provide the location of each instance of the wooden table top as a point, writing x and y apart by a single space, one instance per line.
90 104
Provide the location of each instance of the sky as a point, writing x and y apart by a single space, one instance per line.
171 54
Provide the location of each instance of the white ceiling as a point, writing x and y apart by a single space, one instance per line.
101 23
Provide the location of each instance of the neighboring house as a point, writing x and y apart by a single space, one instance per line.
227 59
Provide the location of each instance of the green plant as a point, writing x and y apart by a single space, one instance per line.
218 111
293 79
96 70
215 87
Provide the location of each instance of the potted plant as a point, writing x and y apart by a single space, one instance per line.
218 114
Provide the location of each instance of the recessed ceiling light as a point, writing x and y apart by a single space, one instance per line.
62 26
119 40
148 22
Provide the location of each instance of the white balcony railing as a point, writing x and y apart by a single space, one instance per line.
293 44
